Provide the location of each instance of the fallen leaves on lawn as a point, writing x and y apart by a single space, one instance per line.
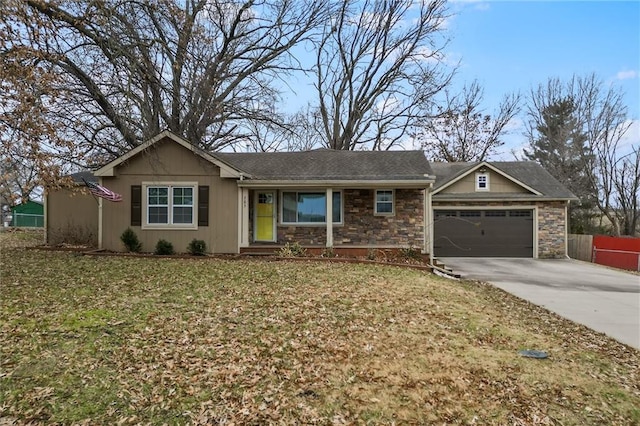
154 341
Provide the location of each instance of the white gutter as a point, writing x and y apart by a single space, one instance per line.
435 199
421 183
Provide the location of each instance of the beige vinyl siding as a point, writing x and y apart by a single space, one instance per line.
72 217
497 183
170 162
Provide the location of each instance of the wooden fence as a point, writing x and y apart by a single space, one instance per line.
580 247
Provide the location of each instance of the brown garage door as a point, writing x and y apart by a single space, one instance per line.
483 233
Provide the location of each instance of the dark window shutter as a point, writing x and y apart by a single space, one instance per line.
203 205
136 205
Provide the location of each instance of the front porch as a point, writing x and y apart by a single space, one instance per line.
361 225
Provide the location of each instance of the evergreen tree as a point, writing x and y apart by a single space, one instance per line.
559 144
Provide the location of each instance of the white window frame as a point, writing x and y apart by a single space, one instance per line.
376 202
309 191
170 206
480 175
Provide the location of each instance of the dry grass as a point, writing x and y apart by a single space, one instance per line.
151 341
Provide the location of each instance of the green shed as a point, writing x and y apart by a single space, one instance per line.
29 214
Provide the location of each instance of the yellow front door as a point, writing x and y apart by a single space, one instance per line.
265 216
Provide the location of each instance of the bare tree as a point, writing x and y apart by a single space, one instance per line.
378 65
18 173
306 125
461 131
627 190
605 116
611 170
200 68
28 141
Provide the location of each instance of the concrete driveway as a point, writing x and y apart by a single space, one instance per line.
603 299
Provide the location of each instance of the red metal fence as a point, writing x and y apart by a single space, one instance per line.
618 252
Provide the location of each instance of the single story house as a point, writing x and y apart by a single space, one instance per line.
348 200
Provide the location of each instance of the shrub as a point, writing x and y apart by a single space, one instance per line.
164 247
329 252
292 250
197 247
410 253
130 240
371 254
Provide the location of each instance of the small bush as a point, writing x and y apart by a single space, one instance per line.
197 247
329 252
377 255
371 254
410 253
164 247
130 240
292 250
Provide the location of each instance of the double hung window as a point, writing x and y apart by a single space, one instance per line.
170 205
482 182
384 202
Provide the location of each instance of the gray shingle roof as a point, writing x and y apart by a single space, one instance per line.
326 164
529 173
86 175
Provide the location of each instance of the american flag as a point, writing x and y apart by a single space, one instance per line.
102 192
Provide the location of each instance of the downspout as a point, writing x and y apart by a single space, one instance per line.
566 229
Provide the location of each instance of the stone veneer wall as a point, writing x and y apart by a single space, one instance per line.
305 235
362 228
551 230
551 223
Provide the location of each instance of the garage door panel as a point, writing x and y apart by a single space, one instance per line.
484 233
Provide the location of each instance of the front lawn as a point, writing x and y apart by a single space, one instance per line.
102 340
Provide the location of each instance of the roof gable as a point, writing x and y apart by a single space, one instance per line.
225 169
527 174
466 171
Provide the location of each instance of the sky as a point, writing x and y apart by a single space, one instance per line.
512 46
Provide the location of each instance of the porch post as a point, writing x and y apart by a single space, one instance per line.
329 216
243 217
100 218
428 222
100 222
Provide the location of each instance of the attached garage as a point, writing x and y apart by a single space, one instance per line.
484 233
498 209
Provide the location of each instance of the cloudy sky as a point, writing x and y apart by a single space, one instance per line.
512 46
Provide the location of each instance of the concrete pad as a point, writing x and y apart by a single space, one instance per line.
603 299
